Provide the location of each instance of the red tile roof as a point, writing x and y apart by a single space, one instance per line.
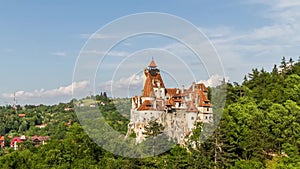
191 107
22 115
39 138
202 87
156 79
150 83
15 139
148 88
173 92
203 100
152 63
146 105
153 80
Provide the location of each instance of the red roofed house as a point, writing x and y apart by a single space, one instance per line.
37 140
2 142
22 115
177 109
14 142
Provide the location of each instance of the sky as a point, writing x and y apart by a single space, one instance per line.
40 42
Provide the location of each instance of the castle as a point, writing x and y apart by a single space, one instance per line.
176 109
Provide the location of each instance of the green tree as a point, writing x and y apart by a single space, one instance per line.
152 130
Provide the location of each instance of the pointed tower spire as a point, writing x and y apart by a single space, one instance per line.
152 63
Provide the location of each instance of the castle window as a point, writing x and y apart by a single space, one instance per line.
206 117
192 118
208 109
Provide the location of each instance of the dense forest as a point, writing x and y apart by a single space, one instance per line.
259 128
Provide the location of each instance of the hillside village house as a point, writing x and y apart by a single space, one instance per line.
41 126
22 115
14 142
2 141
38 140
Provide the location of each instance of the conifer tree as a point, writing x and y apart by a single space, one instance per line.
152 130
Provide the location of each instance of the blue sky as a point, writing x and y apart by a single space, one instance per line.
40 41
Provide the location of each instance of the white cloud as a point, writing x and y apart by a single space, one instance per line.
46 94
261 46
278 5
123 83
242 50
214 80
123 87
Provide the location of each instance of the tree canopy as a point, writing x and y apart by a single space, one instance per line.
259 128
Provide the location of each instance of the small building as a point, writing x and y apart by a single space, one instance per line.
92 105
16 140
22 115
68 108
2 141
38 140
41 126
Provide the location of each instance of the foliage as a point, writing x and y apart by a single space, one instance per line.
259 128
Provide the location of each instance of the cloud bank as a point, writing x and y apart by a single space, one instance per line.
44 96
